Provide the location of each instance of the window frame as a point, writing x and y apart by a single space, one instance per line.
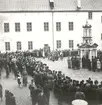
7 46
29 26
101 36
101 19
90 15
71 44
6 27
71 26
30 45
58 44
46 26
17 27
19 45
58 26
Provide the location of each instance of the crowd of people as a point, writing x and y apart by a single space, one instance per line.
55 55
93 64
45 80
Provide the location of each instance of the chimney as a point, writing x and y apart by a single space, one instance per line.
51 2
78 4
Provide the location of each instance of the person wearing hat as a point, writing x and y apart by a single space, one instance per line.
79 94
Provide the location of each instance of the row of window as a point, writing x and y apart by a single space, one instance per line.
29 26
71 44
30 45
17 27
19 45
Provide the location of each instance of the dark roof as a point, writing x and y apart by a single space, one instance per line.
43 5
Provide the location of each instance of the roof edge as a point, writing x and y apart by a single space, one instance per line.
20 11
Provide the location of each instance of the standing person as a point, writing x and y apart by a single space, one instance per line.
83 62
42 100
94 64
7 71
46 90
19 80
100 94
31 87
79 94
12 99
1 90
89 64
34 95
25 76
0 67
98 65
69 62
7 97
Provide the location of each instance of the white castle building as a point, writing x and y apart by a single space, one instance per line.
30 24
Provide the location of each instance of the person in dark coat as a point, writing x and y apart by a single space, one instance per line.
100 94
12 100
89 64
46 90
31 86
7 97
42 100
1 90
83 62
79 94
34 95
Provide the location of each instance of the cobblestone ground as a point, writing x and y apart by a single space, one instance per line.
22 95
74 74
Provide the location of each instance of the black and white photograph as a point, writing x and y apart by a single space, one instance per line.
50 52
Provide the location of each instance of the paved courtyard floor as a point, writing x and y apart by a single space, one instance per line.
74 74
22 95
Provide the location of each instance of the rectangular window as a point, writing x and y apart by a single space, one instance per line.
101 36
6 27
19 46
58 44
17 27
7 46
46 26
89 15
71 43
101 19
29 26
71 26
58 26
30 45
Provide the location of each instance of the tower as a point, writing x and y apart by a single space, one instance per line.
87 47
87 38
